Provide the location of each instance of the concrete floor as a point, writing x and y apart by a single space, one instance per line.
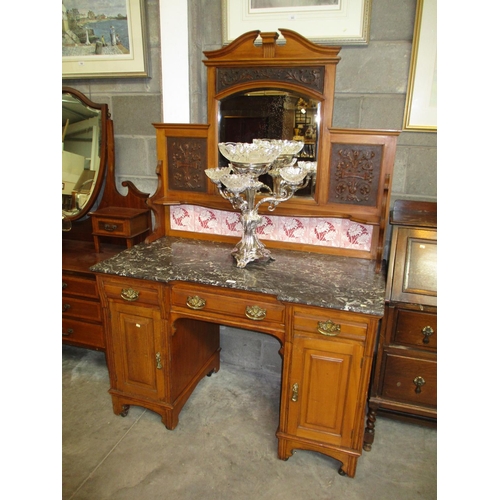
223 448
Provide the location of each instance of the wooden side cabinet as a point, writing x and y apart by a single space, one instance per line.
404 381
326 384
151 363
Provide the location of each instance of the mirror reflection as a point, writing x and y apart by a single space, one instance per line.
271 114
81 143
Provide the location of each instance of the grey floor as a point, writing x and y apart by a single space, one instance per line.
223 448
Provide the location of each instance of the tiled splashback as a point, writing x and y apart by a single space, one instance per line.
328 232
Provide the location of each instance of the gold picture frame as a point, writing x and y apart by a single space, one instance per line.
421 98
108 44
338 22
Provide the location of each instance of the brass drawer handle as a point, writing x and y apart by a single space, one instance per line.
255 312
328 328
66 307
419 382
196 302
68 333
64 285
295 392
110 227
129 294
427 331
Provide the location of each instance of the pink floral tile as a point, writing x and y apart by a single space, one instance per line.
356 236
230 224
268 229
181 218
293 229
206 220
325 232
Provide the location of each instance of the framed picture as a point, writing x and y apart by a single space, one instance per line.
335 22
421 97
103 39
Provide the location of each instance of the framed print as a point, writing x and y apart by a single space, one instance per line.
421 97
103 39
336 22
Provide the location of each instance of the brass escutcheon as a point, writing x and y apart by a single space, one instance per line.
196 302
129 294
159 366
328 328
295 392
255 312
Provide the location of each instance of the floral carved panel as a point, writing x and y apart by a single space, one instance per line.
308 77
355 174
187 161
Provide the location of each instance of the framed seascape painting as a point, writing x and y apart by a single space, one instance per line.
103 39
335 22
421 97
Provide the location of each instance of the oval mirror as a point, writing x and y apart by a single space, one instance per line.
271 114
84 125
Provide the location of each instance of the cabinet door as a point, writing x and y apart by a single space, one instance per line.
139 358
324 389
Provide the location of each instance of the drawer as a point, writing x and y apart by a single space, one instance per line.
120 222
328 323
401 375
80 308
220 303
106 227
416 328
76 285
81 333
128 291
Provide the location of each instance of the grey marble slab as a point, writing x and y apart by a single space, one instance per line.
333 282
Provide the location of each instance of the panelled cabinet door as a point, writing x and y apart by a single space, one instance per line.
138 354
323 390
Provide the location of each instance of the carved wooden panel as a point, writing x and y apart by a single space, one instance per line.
309 77
187 161
355 173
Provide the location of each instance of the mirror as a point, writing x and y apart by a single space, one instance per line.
271 114
84 146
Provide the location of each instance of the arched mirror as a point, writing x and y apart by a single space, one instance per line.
84 147
269 113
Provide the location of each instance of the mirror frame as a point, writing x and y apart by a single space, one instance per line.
106 137
298 66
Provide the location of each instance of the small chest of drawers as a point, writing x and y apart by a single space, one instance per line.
404 380
119 222
81 311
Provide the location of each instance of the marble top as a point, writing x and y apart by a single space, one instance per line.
333 282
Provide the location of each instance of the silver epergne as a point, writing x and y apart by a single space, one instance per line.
239 183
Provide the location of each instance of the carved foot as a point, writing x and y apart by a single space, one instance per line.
125 409
370 430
